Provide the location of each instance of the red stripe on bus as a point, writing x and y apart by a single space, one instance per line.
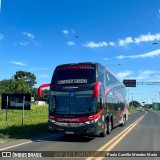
107 90
73 120
96 89
121 115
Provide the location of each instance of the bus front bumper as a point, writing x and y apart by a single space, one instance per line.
73 128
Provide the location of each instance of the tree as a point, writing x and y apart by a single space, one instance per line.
19 86
45 95
28 77
5 86
135 104
13 86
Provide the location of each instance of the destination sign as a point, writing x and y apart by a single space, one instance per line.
77 67
73 81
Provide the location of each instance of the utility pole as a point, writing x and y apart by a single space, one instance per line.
128 97
132 99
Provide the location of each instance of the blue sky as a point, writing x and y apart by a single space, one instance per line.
38 35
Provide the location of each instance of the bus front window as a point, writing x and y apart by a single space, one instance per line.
73 103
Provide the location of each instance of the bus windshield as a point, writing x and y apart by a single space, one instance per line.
72 103
74 75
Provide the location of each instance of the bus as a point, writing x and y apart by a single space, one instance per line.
85 99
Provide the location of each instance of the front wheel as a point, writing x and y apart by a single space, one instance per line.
104 133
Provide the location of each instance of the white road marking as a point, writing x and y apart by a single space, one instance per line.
26 142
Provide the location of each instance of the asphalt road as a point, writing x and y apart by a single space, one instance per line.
141 133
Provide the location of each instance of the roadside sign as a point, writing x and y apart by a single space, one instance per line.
129 82
16 101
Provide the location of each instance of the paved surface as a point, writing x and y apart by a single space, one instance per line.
141 133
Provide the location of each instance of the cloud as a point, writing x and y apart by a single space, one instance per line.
66 32
148 75
23 43
92 44
148 37
145 55
29 35
111 43
106 59
1 36
71 43
124 74
127 40
142 38
18 63
95 44
145 75
123 42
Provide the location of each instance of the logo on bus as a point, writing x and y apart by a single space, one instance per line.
68 120
75 67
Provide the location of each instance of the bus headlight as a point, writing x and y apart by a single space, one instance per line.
92 121
51 120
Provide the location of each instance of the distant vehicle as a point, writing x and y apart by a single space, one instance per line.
40 103
85 99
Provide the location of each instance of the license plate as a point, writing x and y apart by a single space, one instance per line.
68 132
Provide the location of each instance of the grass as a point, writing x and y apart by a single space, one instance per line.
132 111
35 122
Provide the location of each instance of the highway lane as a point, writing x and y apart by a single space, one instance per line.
143 135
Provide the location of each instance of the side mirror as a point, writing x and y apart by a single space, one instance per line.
40 89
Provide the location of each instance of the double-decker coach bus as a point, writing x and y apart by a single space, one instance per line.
85 99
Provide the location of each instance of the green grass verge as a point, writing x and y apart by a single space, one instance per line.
35 122
132 111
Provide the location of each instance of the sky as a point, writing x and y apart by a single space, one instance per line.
123 35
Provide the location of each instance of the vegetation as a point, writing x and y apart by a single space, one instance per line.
13 86
22 82
27 77
131 111
135 104
35 122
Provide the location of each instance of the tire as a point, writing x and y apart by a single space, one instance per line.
123 121
104 133
109 127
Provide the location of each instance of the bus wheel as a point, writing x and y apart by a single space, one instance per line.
123 121
104 133
109 127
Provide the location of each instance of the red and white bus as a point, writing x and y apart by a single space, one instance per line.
85 99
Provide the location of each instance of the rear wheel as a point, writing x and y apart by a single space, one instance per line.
123 121
109 127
